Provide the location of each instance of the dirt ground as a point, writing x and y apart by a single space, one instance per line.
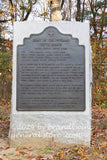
97 150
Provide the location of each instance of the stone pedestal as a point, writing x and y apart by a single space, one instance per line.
36 128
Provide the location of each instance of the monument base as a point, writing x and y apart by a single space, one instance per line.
39 129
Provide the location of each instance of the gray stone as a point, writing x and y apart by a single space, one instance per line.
37 128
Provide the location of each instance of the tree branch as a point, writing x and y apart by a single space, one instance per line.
4 21
11 10
62 3
29 10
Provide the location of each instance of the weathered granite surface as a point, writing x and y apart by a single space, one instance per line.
37 128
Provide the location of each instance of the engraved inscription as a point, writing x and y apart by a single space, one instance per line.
51 72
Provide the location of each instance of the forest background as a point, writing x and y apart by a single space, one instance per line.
94 11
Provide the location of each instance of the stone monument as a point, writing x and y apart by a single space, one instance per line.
51 89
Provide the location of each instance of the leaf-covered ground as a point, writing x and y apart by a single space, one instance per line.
97 150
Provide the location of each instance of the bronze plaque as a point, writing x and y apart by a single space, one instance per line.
50 73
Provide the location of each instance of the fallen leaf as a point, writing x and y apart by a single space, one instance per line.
95 153
48 156
80 153
62 154
6 148
39 157
16 159
17 148
30 148
11 153
16 155
103 146
30 156
21 152
105 156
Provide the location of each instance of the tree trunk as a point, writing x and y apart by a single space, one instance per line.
56 10
78 10
70 10
11 11
82 17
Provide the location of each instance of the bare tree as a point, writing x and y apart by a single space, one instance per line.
83 9
18 9
55 10
78 10
55 7
70 10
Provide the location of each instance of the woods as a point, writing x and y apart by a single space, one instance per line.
93 11
67 10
